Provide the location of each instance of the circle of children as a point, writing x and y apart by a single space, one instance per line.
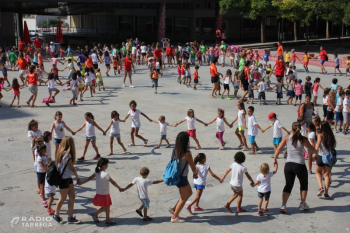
137 53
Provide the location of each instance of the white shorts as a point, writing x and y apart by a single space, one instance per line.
22 72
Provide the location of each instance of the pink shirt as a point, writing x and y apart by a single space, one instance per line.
54 61
298 89
316 86
40 59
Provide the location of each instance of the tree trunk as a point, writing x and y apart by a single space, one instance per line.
327 29
262 30
295 31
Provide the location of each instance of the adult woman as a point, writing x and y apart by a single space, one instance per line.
242 61
65 163
182 153
127 69
279 49
23 64
322 55
280 68
295 165
307 109
214 76
32 79
325 143
245 81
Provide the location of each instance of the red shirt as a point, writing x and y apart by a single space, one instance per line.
40 59
183 69
195 74
168 51
22 63
158 54
323 54
22 45
213 70
89 62
37 43
279 68
16 89
55 71
32 79
127 64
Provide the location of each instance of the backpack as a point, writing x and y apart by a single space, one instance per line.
331 158
53 176
241 75
326 57
172 174
302 113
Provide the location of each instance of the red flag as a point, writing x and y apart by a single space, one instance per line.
59 37
26 37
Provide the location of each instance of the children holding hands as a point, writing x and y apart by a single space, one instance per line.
163 131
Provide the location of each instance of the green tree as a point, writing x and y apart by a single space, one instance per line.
251 9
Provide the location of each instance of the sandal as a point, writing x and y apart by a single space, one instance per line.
147 218
131 144
228 208
96 220
283 209
81 159
139 212
145 142
111 223
124 151
109 154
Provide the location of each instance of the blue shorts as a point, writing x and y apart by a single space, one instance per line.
135 127
57 141
322 61
145 203
49 194
266 195
279 95
196 186
155 82
41 176
339 116
193 59
183 182
291 94
251 139
277 141
211 57
114 135
92 139
162 137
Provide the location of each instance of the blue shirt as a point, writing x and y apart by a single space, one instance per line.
4 71
69 50
266 57
82 58
336 61
334 87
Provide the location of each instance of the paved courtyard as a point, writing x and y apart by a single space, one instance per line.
18 196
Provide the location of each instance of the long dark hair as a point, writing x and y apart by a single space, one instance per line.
296 134
101 162
89 114
182 144
199 158
329 141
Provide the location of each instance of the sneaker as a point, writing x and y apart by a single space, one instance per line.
145 143
326 196
147 219
197 208
72 220
320 192
110 223
96 156
228 98
168 146
45 204
177 220
304 206
57 218
188 207
123 85
222 97
265 210
283 209
335 130
139 212
50 211
81 159
241 210
132 86
260 212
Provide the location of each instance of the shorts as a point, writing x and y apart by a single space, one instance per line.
33 88
211 57
236 87
214 79
252 139
339 116
52 89
88 83
261 96
337 67
5 77
108 65
330 115
226 87
324 108
251 95
314 93
56 78
92 139
57 141
75 93
162 137
266 195
93 82
245 85
143 54
299 97
193 59
319 162
236 189
346 118
100 83
197 186
115 68
145 203
50 194
347 70
191 133
195 80
279 95
95 66
41 176
81 86
133 127
199 58
291 94
277 141
322 62
64 184
183 182
155 82
22 72
114 135
240 128
306 63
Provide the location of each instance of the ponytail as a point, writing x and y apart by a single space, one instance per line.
199 158
101 162
296 134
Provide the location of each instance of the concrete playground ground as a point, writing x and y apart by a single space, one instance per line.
21 209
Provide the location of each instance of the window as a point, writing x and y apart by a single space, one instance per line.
126 23
182 26
208 25
145 24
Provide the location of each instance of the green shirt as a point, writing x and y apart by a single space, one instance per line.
223 46
203 48
12 57
122 50
192 54
241 64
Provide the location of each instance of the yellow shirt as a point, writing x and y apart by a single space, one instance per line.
99 77
306 58
348 64
287 57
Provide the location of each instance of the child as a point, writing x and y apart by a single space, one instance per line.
90 134
33 133
346 112
195 77
338 112
51 87
238 170
303 126
54 70
15 86
334 85
253 130
201 181
325 102
277 130
279 85
50 192
155 77
287 58
331 107
291 87
88 80
188 75
47 136
102 197
347 66
294 57
142 185
236 82
308 86
241 125
220 127
298 92
227 80
4 73
136 123
57 127
163 131
315 90
311 129
75 87
191 130
99 79
263 180
262 86
115 65
337 61
306 61
266 58
115 131
251 92
179 66
41 169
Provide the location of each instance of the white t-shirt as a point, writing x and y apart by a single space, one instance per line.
133 50
74 85
48 149
262 86
345 102
163 128
240 118
202 174
51 84
88 77
52 48
142 185
90 128
340 102
311 135
252 129
265 182
143 49
220 127
303 130
227 80
238 170
190 122
58 130
277 129
135 118
235 83
102 182
157 65
34 134
42 159
94 58
49 188
115 127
